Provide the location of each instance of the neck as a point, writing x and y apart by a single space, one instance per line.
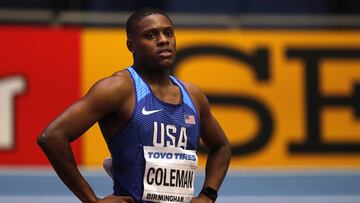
154 75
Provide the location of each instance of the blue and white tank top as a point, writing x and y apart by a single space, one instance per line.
153 123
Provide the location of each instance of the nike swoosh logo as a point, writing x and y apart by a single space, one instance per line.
149 112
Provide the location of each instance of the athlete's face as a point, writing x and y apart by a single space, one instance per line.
153 42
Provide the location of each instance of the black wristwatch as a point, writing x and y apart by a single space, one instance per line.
210 192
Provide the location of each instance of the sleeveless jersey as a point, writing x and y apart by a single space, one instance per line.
152 123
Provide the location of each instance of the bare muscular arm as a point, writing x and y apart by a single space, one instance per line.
55 140
214 137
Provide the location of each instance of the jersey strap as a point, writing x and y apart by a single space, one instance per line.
186 96
141 88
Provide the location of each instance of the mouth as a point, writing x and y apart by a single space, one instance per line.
165 52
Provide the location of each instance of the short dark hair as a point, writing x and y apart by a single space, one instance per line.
139 14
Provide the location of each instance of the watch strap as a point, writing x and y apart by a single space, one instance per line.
210 192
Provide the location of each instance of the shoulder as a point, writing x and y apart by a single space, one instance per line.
193 90
198 97
115 87
118 81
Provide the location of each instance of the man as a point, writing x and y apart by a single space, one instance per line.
151 122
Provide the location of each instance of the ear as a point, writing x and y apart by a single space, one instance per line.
129 45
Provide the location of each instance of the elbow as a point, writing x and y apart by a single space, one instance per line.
41 140
226 153
223 148
46 140
228 150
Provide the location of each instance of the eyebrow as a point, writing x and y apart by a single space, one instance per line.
155 29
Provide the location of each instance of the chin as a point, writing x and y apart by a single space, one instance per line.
166 63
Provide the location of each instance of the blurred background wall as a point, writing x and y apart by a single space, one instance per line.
282 78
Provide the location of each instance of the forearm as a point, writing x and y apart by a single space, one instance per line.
217 165
59 153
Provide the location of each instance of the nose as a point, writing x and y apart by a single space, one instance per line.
162 39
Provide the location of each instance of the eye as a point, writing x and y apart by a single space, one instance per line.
169 33
150 35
